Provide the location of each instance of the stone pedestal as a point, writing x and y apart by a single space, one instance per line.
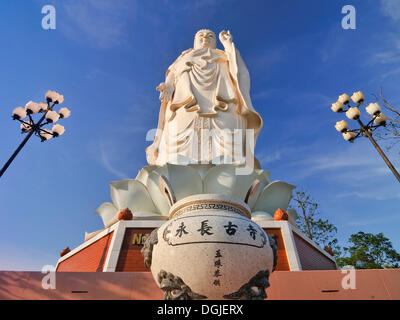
210 248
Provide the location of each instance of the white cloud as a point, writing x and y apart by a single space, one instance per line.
371 193
333 45
106 163
391 8
378 220
266 159
335 160
263 94
385 52
391 72
391 55
314 99
352 165
102 22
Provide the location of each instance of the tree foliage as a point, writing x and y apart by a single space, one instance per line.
321 231
369 251
366 250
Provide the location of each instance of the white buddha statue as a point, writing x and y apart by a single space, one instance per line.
206 110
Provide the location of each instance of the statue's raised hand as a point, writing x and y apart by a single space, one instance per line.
166 91
226 38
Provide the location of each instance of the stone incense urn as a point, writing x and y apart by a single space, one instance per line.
210 249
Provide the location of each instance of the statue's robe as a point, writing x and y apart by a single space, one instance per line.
211 100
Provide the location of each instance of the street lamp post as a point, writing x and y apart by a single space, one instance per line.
37 128
353 113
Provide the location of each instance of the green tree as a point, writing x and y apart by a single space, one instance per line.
321 231
369 251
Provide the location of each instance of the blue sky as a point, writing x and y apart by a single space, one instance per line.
107 57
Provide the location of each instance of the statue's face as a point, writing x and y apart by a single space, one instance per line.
205 39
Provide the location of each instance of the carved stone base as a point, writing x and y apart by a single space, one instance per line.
254 289
175 289
147 250
209 249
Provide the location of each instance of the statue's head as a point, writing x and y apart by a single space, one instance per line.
205 38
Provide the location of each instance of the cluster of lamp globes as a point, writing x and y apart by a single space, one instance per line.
353 113
51 116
